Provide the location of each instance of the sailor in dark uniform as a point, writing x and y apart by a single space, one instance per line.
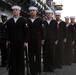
50 40
17 34
36 38
61 39
70 38
68 54
3 40
73 23
66 45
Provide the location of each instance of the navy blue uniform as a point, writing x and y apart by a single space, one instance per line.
36 34
49 46
74 39
68 45
60 45
3 44
17 33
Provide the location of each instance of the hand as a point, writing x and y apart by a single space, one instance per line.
56 42
65 40
25 44
42 42
7 44
73 42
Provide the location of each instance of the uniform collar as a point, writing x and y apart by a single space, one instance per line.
67 24
17 18
59 21
72 23
32 20
4 22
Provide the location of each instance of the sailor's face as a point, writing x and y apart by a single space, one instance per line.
67 20
4 19
72 19
16 11
33 12
49 15
57 16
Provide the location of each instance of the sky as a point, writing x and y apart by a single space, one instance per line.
69 7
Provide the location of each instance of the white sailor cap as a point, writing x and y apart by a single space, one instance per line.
57 13
66 17
4 15
16 7
48 11
72 17
33 8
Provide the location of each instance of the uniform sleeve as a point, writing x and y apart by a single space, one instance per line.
7 33
0 31
67 32
42 30
64 34
26 31
56 31
74 32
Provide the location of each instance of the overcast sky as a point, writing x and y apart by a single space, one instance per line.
69 8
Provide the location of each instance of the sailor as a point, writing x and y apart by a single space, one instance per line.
17 35
50 41
73 24
3 27
61 40
68 43
36 38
